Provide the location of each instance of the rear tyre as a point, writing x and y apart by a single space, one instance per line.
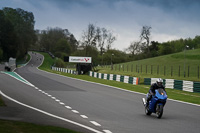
159 111
147 112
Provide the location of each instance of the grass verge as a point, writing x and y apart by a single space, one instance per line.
170 66
23 127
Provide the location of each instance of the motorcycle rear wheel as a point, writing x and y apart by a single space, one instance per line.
159 111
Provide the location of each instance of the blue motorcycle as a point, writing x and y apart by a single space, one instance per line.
156 104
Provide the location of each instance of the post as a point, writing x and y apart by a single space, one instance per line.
164 70
102 60
171 71
136 68
184 57
198 72
111 62
158 70
131 67
146 69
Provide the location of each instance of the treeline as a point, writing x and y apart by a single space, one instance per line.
16 32
17 36
138 51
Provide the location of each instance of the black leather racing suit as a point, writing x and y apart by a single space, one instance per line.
152 89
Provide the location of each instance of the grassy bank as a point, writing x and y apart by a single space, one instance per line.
173 94
22 127
168 67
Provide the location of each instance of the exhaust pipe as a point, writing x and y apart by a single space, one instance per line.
144 101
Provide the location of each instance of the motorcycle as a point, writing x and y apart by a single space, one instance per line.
157 103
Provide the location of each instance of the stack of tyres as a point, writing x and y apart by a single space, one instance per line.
196 87
178 84
147 81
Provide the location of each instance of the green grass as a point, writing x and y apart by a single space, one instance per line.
173 94
23 61
23 127
192 59
48 61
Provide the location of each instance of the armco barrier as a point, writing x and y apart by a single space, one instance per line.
119 78
189 86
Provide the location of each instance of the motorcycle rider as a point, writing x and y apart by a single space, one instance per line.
154 86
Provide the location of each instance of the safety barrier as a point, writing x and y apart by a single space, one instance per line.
119 78
63 70
189 86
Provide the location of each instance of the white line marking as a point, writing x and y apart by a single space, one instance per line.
57 100
53 97
75 111
84 116
36 88
49 95
49 114
95 123
40 90
107 131
61 103
68 107
117 88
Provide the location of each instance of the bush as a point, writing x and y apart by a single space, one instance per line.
60 63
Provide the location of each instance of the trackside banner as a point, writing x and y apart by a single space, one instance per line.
76 59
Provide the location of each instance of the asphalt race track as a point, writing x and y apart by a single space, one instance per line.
88 107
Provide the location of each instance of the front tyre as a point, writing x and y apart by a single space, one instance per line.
147 112
159 111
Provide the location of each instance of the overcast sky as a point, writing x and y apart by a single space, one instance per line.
169 19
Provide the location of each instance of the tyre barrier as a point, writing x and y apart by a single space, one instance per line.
183 85
63 70
119 78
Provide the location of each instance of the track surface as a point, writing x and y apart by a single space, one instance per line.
115 110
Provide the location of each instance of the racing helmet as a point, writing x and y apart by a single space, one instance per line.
159 82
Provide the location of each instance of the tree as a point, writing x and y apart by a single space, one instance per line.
110 40
89 36
48 39
97 37
145 35
23 25
63 46
101 35
134 48
8 37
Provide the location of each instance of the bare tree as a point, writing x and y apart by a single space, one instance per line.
145 35
134 48
89 36
101 35
110 39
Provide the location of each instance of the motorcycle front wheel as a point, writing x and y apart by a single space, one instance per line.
147 112
159 110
